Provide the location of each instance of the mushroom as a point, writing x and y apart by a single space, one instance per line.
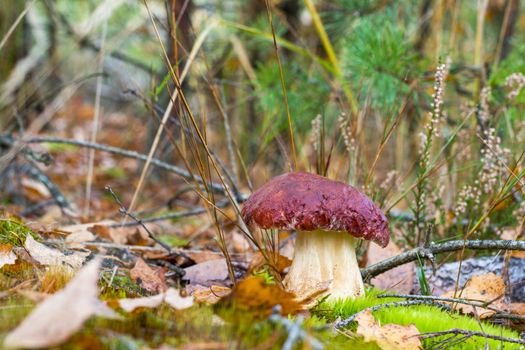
327 215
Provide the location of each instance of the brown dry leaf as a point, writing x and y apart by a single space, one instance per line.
207 273
171 297
48 256
54 320
254 294
399 279
517 308
209 295
388 336
35 190
7 256
279 262
151 279
485 288
83 232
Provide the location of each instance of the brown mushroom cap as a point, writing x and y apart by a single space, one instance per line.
307 202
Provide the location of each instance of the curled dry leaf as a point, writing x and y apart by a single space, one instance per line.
7 256
171 297
278 262
59 316
254 294
151 279
388 336
48 256
485 288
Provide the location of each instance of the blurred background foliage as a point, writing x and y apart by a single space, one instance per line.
366 67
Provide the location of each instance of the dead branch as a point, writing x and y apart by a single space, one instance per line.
427 252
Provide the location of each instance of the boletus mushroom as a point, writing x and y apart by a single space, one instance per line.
327 215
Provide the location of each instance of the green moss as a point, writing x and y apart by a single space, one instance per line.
174 241
13 231
425 318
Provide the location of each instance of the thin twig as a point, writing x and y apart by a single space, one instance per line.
130 154
468 334
170 216
471 302
347 321
433 248
125 212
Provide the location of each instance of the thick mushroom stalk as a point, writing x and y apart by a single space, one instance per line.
321 258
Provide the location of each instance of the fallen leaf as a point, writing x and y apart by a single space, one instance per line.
207 273
254 294
388 336
279 262
54 320
81 232
131 304
485 288
209 295
171 297
399 279
151 279
175 300
48 256
7 256
35 190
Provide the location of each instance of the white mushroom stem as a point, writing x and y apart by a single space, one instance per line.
324 256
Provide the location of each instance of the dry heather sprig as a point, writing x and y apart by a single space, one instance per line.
484 111
391 180
515 83
467 194
316 131
346 132
431 131
493 157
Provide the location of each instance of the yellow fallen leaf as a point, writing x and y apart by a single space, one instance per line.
388 336
254 294
484 288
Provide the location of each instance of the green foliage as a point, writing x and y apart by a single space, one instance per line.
306 91
379 60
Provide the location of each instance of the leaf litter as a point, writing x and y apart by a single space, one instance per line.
59 316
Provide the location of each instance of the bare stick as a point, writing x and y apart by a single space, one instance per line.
471 302
125 212
433 248
130 154
347 321
469 334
